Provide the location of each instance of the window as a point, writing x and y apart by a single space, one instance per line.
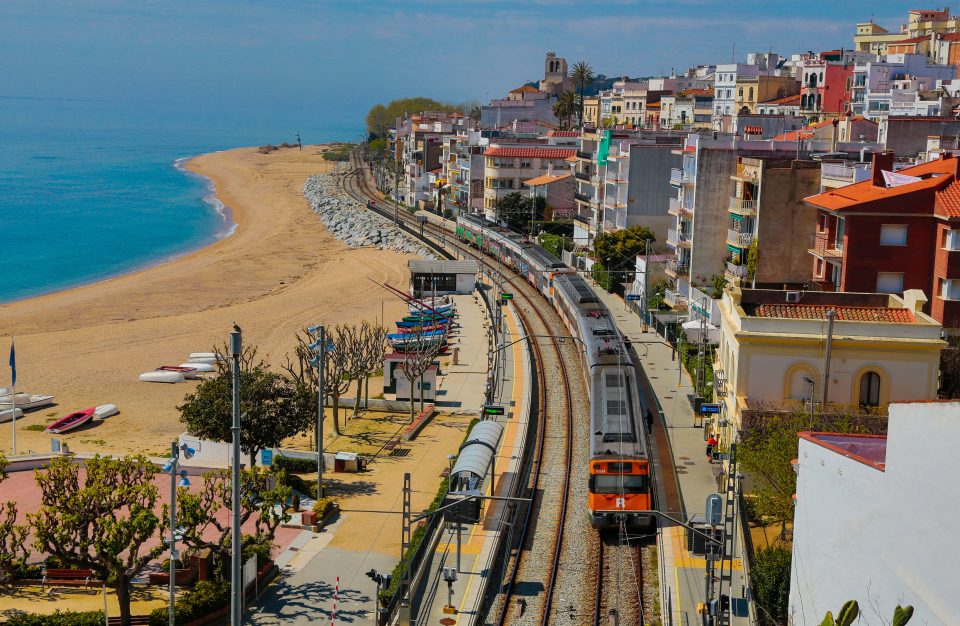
750 94
889 282
740 93
893 235
800 388
838 239
949 289
952 239
870 389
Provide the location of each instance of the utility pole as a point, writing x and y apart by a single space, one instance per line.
831 314
236 582
646 278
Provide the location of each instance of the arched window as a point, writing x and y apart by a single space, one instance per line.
799 387
750 96
870 389
741 93
803 101
819 101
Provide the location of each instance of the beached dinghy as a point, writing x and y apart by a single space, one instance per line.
71 421
6 415
26 401
204 357
105 410
416 309
160 376
188 371
202 368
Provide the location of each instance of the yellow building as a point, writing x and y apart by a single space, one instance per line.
772 352
871 37
591 111
750 90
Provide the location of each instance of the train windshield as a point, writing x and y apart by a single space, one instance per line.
620 483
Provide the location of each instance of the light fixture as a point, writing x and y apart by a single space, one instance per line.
184 481
168 466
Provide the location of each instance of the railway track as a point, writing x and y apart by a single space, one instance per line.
559 554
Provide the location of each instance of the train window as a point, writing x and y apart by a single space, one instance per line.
619 467
623 437
620 483
616 407
614 380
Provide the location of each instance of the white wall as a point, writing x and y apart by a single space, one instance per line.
881 537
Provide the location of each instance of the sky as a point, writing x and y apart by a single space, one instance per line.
346 55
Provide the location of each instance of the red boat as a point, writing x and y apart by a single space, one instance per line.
71 421
188 372
422 329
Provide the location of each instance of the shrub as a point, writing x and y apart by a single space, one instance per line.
60 618
771 584
323 507
205 598
295 465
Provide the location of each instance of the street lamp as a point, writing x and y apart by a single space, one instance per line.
172 467
320 347
383 581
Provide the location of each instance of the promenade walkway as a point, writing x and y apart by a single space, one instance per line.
684 486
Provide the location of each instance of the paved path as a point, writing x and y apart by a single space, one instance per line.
692 478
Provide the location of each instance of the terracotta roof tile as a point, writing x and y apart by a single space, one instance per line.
563 133
948 200
844 313
525 89
533 152
789 100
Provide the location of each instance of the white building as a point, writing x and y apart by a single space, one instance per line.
725 86
507 166
875 82
875 520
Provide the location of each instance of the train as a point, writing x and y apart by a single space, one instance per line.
620 490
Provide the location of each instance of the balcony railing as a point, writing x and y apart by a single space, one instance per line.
737 271
821 285
582 197
674 299
845 173
675 268
742 207
822 245
582 176
676 239
677 208
738 239
585 155
680 177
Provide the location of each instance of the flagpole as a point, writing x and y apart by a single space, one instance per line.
13 395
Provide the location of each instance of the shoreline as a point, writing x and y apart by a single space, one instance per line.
210 198
280 270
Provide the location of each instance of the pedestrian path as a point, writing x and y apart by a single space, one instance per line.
684 487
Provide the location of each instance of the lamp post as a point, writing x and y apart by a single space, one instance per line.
383 581
172 467
236 582
319 346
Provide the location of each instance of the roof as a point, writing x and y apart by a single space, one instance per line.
421 266
563 133
789 100
794 135
653 105
533 152
888 315
546 179
867 449
525 89
912 40
939 178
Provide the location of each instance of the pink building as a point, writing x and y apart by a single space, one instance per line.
825 86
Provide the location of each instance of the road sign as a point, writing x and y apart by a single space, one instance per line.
494 409
633 297
506 296
266 458
710 408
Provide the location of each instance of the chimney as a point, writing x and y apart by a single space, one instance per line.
882 161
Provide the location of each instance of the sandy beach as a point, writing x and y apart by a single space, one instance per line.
280 271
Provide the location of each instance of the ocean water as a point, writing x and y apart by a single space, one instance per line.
93 189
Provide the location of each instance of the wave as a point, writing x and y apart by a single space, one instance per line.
210 198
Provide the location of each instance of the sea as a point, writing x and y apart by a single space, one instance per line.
91 189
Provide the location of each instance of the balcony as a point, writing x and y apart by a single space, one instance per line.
676 269
583 219
677 208
742 207
748 174
821 285
676 239
582 176
584 155
739 240
582 197
674 299
737 271
845 174
680 177
825 247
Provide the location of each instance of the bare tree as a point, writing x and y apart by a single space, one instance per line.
336 365
419 350
376 350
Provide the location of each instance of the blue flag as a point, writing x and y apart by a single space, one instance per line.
13 364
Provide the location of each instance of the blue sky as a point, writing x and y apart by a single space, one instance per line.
346 55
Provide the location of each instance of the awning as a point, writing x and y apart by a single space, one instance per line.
753 130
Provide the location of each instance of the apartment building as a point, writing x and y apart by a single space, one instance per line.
770 221
876 82
753 89
506 166
523 104
726 90
772 351
825 87
921 23
894 232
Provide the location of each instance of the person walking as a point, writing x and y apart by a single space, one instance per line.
711 445
649 421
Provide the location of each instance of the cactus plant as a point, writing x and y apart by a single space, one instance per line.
848 613
902 615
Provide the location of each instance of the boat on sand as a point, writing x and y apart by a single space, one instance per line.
71 421
202 368
160 376
188 371
105 410
26 401
7 414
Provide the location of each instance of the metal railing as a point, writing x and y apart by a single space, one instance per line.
680 177
739 271
825 245
674 298
677 269
676 238
677 208
582 197
740 205
585 155
582 176
736 238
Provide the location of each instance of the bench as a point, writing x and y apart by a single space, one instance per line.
135 620
68 577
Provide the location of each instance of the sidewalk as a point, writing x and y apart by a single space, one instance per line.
685 487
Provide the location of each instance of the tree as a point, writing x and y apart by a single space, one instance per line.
272 408
375 351
719 283
202 515
566 107
770 577
418 355
517 211
101 521
12 535
583 77
617 251
381 117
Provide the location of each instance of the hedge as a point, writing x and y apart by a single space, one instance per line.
295 465
62 618
203 599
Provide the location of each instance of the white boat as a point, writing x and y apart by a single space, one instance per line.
105 410
204 355
26 401
201 367
188 370
161 376
204 361
6 415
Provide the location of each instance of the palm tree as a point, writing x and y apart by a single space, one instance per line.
582 77
570 103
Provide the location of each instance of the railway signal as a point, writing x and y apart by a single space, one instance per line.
494 409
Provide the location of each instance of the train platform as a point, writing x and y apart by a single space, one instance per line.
686 476
478 543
